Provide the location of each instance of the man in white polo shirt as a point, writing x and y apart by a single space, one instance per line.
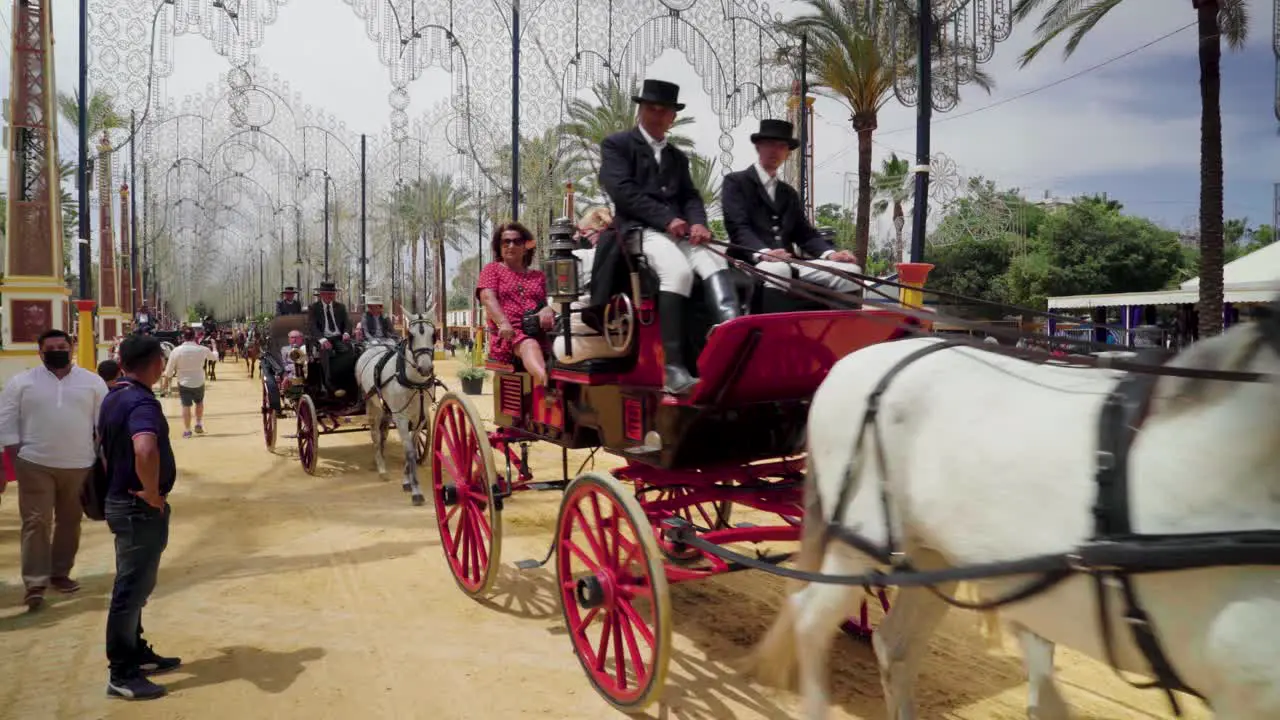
187 362
49 412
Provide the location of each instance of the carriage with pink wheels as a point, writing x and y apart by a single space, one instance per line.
727 459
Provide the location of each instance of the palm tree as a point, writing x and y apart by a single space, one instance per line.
441 213
590 123
849 60
892 187
1216 19
706 177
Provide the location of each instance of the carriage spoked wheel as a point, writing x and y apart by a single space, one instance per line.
859 625
422 442
308 434
462 485
712 515
268 419
613 591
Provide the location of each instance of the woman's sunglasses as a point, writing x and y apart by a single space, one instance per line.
512 241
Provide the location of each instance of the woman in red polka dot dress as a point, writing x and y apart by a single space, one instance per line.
509 289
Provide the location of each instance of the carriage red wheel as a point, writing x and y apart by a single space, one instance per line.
860 625
462 484
613 591
308 434
422 442
712 515
268 419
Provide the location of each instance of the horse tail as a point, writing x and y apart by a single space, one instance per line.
773 659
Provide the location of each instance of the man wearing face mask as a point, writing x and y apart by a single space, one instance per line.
49 413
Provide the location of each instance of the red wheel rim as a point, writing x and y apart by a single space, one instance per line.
615 639
465 529
860 624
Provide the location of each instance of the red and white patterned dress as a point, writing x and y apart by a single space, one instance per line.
518 293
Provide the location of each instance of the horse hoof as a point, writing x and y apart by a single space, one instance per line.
419 500
406 488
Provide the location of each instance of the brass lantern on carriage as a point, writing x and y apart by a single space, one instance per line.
562 273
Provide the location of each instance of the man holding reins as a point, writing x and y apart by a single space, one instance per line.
649 181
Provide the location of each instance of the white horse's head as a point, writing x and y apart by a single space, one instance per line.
420 344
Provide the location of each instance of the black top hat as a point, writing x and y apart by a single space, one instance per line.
659 92
289 289
776 130
327 286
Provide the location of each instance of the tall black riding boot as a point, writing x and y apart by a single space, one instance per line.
722 297
671 310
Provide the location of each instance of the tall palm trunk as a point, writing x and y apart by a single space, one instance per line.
864 125
899 247
442 297
1211 250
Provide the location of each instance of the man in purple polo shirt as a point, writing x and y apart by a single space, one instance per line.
141 467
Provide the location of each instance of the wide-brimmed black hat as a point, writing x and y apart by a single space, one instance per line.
776 130
659 92
327 286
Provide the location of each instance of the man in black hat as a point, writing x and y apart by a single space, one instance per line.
767 223
288 304
330 325
649 182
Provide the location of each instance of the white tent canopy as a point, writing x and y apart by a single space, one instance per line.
1259 266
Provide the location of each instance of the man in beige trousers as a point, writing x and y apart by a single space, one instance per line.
49 413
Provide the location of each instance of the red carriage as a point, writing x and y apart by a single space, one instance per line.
735 441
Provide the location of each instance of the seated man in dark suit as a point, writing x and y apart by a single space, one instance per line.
766 222
331 328
374 324
649 182
288 304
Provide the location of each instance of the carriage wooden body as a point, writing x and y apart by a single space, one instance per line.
736 441
315 411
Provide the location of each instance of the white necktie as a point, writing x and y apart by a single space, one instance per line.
331 324
771 188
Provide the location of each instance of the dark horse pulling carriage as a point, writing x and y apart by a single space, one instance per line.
318 411
736 440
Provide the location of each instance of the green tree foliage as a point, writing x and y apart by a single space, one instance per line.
463 285
1089 246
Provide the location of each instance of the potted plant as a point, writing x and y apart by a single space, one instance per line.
472 378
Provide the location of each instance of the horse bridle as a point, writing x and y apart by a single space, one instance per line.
416 353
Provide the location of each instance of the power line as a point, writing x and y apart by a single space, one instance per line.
1027 93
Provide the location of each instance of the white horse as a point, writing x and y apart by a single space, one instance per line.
990 459
398 381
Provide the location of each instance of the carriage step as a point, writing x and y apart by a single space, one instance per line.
745 525
550 485
530 564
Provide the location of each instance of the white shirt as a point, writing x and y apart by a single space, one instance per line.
770 183
330 321
52 419
657 145
187 362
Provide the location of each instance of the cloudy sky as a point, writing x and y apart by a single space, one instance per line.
1130 129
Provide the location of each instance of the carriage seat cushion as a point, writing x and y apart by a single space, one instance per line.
588 344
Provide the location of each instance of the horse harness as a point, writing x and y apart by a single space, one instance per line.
421 390
1113 554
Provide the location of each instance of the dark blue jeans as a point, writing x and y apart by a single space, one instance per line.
142 533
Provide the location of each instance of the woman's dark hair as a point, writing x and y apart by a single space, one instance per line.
496 244
139 350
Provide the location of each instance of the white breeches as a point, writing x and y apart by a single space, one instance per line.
812 275
676 262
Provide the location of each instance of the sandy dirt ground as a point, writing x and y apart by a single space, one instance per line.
292 596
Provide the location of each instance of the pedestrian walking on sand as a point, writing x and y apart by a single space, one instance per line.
141 472
49 412
187 362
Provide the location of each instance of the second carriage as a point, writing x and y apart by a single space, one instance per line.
293 385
